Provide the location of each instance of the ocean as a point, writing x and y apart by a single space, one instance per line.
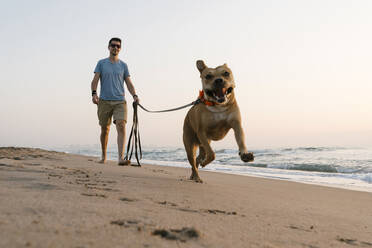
341 167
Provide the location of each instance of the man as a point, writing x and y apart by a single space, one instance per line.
111 103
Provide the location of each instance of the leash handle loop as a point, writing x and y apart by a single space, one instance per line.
134 141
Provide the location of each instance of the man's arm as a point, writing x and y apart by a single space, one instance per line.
93 87
131 89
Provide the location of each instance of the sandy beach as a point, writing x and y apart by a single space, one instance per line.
52 199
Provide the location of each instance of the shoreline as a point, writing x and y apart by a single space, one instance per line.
323 172
65 200
248 174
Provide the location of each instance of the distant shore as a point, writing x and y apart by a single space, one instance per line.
52 199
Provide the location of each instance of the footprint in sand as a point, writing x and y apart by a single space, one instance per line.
54 175
182 235
140 226
125 223
354 242
125 199
216 211
94 194
32 164
187 209
168 203
5 165
301 228
99 188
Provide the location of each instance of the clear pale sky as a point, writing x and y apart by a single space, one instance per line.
302 68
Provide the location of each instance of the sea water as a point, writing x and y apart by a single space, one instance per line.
342 167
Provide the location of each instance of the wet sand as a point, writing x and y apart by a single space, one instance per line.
51 199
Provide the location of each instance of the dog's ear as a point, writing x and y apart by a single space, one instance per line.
200 65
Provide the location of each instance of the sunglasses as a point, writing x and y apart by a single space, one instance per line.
115 45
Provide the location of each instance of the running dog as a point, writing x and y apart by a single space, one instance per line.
212 118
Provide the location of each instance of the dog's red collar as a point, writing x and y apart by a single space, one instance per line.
202 99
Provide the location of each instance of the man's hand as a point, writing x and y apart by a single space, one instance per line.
136 99
95 99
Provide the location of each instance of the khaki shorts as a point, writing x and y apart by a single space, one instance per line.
107 109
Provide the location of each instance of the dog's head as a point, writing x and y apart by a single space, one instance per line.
218 83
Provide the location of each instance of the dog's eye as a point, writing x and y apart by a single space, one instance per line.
226 74
209 76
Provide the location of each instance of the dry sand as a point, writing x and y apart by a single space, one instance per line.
51 199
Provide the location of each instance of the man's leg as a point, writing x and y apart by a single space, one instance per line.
104 139
120 127
104 112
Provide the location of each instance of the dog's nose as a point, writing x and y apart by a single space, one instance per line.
218 82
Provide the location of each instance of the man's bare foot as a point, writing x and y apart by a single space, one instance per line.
124 162
102 161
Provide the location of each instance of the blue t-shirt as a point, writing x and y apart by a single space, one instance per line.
112 77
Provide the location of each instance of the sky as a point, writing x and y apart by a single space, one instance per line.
302 68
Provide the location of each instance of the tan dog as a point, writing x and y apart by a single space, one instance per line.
211 119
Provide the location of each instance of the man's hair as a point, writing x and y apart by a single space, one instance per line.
115 39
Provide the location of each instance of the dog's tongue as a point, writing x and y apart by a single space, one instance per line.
220 92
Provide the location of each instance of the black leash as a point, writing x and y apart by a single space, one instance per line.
134 141
169 110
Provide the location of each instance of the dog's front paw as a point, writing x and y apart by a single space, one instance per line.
199 160
203 162
246 157
209 158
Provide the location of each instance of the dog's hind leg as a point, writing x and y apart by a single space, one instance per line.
191 156
200 157
209 154
190 147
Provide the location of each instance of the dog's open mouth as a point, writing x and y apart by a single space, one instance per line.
219 94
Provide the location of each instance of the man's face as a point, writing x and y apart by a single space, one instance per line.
114 48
